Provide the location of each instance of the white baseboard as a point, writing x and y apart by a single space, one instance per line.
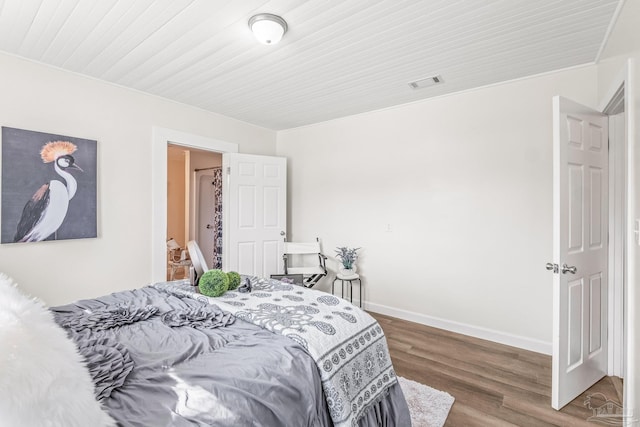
463 328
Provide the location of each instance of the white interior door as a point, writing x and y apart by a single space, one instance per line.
254 213
580 216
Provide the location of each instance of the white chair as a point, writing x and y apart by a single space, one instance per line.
311 273
198 259
177 259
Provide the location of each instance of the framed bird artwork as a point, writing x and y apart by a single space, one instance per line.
49 189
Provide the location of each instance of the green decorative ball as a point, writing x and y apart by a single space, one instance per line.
234 280
213 283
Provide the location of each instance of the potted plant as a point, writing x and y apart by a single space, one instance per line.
348 257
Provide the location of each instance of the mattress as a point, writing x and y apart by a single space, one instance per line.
154 368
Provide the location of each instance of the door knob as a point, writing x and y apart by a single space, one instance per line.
282 233
566 269
552 267
209 226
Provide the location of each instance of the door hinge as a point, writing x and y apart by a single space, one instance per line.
228 170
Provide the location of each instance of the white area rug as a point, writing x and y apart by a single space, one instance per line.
429 407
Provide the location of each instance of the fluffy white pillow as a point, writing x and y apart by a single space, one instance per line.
43 379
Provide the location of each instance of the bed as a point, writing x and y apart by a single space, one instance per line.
280 355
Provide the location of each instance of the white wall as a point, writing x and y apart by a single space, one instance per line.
465 183
204 159
176 195
45 99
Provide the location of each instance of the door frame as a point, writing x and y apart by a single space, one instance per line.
160 138
617 232
624 350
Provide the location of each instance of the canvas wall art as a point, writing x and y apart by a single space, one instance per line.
48 187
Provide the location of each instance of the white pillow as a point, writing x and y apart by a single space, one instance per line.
43 379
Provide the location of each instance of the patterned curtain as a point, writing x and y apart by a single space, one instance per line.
217 218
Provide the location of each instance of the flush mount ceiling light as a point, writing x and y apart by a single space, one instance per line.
268 28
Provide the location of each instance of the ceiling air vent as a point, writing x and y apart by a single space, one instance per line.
426 82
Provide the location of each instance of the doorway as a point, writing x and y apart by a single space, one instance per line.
269 205
619 244
161 138
194 196
620 99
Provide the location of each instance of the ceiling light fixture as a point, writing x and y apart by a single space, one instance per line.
268 28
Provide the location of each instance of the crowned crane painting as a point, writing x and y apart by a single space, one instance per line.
46 195
45 211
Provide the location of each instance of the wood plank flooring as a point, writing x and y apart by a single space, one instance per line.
493 384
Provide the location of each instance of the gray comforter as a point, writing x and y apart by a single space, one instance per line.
172 362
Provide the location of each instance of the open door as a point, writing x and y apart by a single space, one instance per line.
254 213
580 249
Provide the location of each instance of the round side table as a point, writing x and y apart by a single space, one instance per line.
350 278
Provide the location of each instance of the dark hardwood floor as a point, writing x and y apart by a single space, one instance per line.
493 384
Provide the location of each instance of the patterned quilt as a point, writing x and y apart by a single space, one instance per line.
347 344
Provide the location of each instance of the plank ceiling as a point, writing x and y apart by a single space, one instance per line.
340 57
